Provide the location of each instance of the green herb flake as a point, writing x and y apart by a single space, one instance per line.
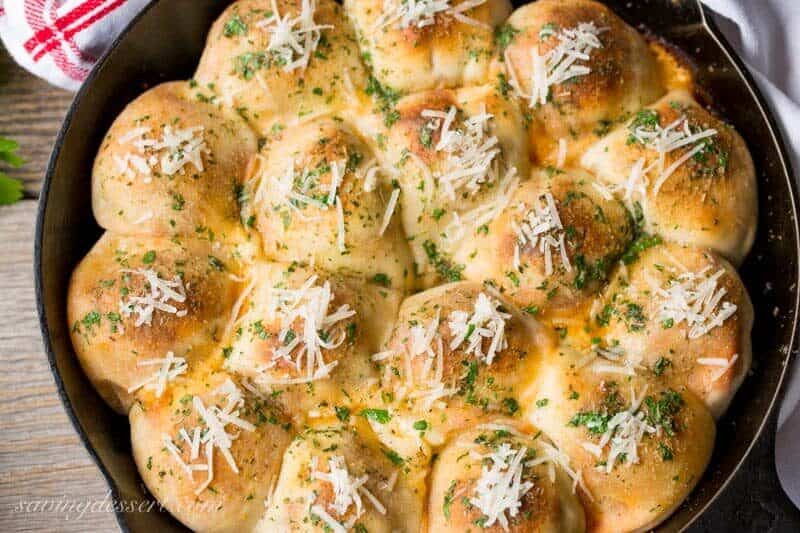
234 26
381 416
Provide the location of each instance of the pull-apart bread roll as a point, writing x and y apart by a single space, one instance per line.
307 336
458 156
318 195
638 444
414 45
578 68
280 62
504 477
683 313
690 173
210 450
553 245
457 355
340 478
144 309
170 164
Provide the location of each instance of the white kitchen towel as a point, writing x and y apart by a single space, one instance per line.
60 40
765 33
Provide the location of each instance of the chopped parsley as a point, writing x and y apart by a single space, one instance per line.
381 416
595 422
443 267
342 413
662 412
234 26
661 365
504 35
642 243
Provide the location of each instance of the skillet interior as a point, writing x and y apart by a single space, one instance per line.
164 43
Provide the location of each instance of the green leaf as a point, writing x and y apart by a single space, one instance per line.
10 190
8 149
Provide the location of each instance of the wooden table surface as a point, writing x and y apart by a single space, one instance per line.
47 479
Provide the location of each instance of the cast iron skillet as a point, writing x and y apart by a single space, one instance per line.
164 43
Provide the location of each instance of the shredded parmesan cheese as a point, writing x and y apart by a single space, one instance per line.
693 298
613 360
499 490
624 432
295 190
562 153
170 367
390 207
304 349
564 62
403 14
664 140
540 227
721 363
211 433
347 493
480 216
471 153
173 150
158 295
486 322
293 40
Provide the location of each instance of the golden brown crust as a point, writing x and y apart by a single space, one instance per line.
596 232
249 77
233 501
134 192
109 344
446 53
623 73
550 505
709 201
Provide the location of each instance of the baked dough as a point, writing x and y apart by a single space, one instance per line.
438 365
172 447
458 500
554 271
708 350
318 195
441 271
169 164
250 64
623 74
709 201
449 46
275 314
457 155
135 299
645 482
342 472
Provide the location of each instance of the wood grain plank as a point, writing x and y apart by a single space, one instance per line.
32 114
47 480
